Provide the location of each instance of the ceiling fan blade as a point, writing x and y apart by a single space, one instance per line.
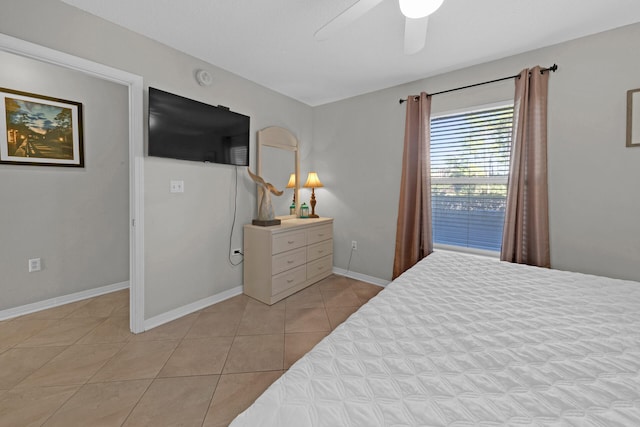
354 12
415 34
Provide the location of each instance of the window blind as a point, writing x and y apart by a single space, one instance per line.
469 171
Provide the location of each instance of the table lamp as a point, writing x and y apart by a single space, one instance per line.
292 184
313 182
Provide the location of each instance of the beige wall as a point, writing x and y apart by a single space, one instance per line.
186 235
593 177
74 219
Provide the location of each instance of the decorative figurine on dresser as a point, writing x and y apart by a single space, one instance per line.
282 259
266 215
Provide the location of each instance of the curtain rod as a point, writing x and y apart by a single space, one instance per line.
553 68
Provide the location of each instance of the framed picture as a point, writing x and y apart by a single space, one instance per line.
40 130
633 118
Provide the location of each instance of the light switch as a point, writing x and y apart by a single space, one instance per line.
177 186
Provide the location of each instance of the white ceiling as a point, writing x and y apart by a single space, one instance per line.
271 42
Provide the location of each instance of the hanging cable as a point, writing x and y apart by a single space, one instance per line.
233 224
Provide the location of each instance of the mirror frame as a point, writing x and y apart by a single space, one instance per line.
278 137
633 121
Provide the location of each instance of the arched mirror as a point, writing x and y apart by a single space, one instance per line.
277 159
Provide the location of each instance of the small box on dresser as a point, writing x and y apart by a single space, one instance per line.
283 259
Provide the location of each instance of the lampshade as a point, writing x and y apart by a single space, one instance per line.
313 181
292 181
416 9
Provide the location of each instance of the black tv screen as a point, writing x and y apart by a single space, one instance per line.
182 128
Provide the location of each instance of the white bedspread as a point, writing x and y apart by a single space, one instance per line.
461 340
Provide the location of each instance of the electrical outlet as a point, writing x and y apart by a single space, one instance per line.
35 265
237 251
177 186
354 245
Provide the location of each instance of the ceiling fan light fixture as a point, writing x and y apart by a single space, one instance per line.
416 9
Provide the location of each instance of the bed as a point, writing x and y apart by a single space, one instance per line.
464 340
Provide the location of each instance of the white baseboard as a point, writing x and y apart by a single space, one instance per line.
179 312
361 277
57 301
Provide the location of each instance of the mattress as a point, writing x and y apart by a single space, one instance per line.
463 340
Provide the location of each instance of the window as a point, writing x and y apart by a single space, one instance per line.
469 170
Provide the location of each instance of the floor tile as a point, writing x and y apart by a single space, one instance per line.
97 405
297 345
340 298
74 366
136 360
121 312
254 303
215 324
306 298
63 332
57 313
18 330
32 407
174 402
200 356
237 303
334 283
119 298
18 363
338 315
235 393
173 330
365 291
101 306
255 353
261 320
307 320
114 329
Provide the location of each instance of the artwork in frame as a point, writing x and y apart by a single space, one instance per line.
40 130
633 118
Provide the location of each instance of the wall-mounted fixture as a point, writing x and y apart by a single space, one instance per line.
204 78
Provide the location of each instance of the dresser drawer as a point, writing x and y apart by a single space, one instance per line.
288 260
286 241
283 281
319 250
320 268
319 234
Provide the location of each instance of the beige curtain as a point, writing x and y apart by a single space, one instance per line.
525 238
414 238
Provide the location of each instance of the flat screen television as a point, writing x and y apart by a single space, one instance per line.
182 128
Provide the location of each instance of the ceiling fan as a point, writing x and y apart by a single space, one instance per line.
416 14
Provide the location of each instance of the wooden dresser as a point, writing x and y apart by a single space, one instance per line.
283 259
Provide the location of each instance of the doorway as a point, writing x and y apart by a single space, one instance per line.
134 85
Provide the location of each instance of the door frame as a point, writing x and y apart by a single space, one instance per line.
134 83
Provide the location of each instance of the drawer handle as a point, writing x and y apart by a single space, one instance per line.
290 262
290 280
290 242
320 268
320 234
320 251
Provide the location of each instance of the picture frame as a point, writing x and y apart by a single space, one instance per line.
40 130
633 118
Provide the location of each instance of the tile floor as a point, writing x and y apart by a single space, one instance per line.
78 364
